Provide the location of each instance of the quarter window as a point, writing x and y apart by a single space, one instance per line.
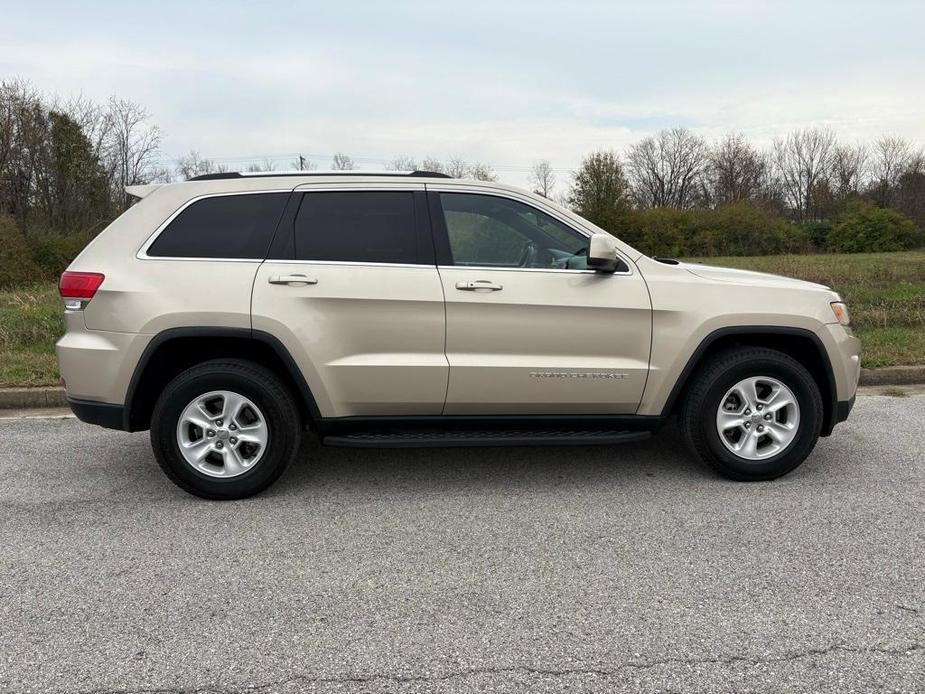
357 226
486 230
224 226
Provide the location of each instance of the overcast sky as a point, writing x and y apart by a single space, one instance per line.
501 82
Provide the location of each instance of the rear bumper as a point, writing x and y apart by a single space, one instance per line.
102 414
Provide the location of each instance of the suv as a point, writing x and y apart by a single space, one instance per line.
229 312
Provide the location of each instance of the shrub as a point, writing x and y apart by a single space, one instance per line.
863 228
52 253
736 229
16 265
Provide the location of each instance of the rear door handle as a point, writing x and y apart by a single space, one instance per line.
479 284
292 279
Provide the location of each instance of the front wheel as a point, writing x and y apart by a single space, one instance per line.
752 413
225 429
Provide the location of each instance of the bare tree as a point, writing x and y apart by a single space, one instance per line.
303 164
849 170
891 157
480 172
735 170
803 162
194 164
456 167
542 178
261 167
402 163
133 145
665 170
432 164
342 162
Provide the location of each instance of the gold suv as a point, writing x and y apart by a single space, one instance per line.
229 312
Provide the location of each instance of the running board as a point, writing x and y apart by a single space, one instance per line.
488 437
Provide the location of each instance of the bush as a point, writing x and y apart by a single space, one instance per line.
736 229
16 265
52 253
863 228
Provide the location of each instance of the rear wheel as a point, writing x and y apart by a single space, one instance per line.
752 413
225 429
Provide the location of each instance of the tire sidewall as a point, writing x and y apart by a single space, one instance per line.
182 391
808 399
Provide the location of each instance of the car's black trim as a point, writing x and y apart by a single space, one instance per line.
103 414
228 175
344 426
239 333
755 331
843 409
491 437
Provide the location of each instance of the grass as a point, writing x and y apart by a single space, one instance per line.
885 293
30 323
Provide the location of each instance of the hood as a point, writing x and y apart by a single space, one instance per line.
733 276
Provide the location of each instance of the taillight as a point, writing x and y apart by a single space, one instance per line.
77 288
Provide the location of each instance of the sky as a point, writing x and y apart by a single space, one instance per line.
506 83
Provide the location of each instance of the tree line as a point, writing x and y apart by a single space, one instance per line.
64 165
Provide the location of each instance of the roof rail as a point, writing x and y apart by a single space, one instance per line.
237 174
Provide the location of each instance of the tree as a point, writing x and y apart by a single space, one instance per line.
402 163
890 159
600 192
849 169
665 170
542 178
194 164
261 167
910 190
480 172
132 148
735 171
342 162
864 228
802 162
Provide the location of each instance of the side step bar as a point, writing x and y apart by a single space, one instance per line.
439 439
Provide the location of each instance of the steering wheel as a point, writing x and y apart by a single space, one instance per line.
528 254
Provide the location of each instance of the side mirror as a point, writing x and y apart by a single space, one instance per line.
602 253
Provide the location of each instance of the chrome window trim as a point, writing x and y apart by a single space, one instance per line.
571 271
142 253
347 263
529 202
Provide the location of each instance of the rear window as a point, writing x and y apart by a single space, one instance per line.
358 226
225 226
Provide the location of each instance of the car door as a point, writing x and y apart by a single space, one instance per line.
529 328
352 291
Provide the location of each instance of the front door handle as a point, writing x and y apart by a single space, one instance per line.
292 279
479 284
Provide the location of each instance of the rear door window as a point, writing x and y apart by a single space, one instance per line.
358 226
223 226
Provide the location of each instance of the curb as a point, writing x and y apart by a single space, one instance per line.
893 376
38 398
31 398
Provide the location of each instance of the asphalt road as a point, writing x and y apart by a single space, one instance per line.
466 570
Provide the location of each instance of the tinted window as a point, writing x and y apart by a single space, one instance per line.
225 226
491 231
369 227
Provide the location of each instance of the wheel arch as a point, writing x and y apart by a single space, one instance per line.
801 344
172 351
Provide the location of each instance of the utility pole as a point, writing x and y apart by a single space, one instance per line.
301 163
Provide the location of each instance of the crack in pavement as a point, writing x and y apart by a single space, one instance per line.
525 669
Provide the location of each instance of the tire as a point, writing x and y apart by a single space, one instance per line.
263 412
720 383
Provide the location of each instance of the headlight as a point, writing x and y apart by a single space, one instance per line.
840 309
